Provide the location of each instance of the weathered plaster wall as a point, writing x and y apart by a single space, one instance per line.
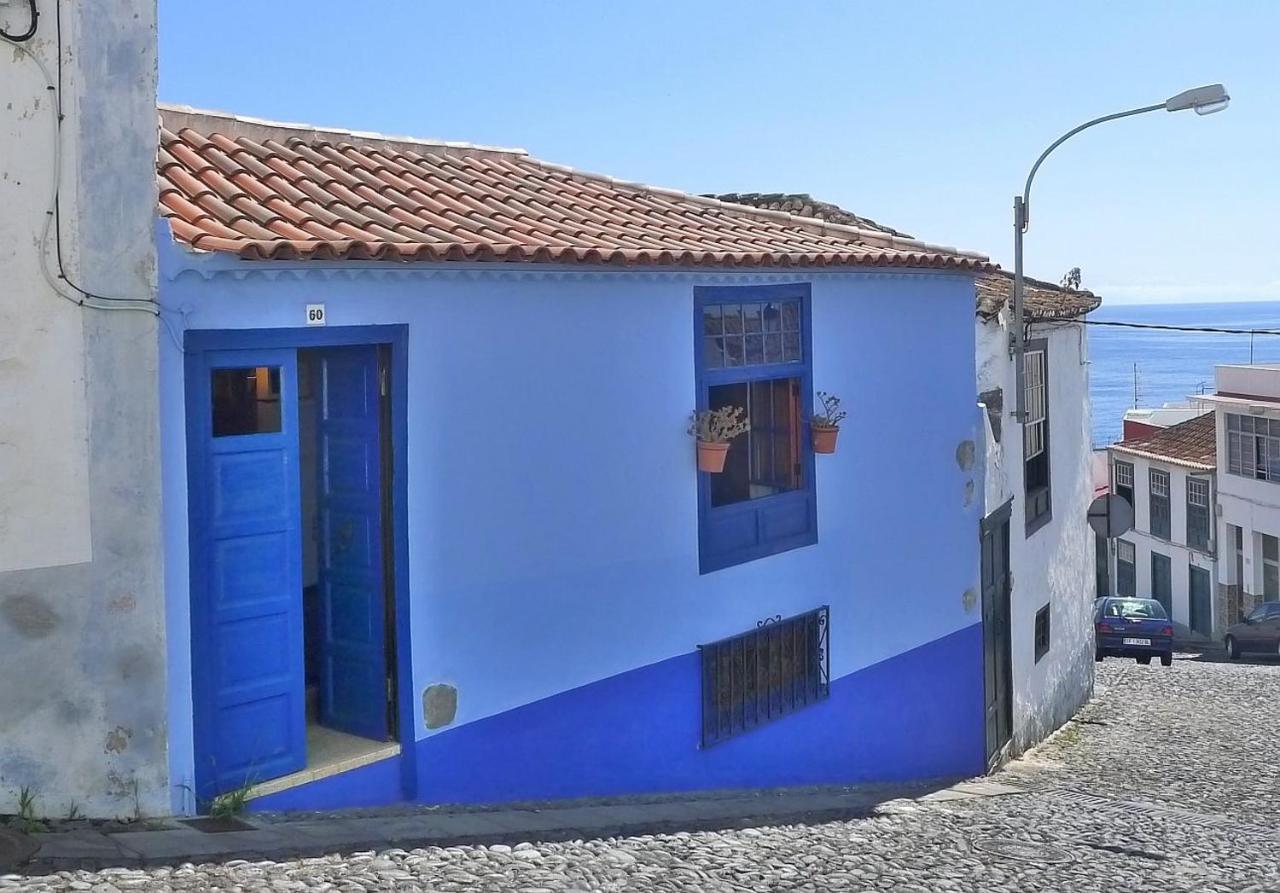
1056 564
81 613
552 510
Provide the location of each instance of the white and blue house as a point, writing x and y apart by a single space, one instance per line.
433 526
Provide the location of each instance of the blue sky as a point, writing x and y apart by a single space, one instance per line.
925 116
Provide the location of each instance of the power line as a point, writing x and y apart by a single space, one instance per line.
1167 328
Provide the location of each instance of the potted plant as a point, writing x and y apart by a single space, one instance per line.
826 424
713 429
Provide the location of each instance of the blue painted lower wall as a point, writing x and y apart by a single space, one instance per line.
916 715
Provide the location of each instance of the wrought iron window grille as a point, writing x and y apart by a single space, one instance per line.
754 678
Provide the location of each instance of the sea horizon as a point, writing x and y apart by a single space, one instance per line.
1170 365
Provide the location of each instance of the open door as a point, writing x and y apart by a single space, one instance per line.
996 632
245 568
355 687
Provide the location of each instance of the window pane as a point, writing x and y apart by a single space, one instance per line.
767 459
773 348
246 400
751 321
1233 422
755 349
791 316
791 346
773 320
1270 548
733 349
712 321
732 318
713 352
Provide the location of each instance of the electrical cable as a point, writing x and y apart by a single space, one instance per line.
31 30
1212 330
83 297
1215 330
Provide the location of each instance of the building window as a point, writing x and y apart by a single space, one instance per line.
1035 435
1270 568
1126 569
762 675
1042 633
1123 475
1159 506
754 352
1198 513
1253 447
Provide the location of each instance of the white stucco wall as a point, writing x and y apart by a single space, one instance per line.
82 648
1055 565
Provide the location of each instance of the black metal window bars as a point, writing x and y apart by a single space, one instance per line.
762 675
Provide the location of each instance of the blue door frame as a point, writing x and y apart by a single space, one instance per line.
396 337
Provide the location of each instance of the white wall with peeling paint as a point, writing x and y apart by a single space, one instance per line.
1055 565
82 646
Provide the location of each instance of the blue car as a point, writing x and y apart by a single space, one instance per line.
1132 627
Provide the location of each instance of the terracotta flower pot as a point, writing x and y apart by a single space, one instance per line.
711 456
824 439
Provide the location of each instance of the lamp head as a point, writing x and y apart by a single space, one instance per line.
1205 100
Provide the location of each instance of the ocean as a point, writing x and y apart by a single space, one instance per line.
1170 365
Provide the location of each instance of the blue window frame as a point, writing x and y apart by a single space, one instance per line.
753 349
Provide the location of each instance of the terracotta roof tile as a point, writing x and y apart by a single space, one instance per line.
1044 300
262 190
1193 442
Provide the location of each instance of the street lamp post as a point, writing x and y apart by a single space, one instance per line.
1204 100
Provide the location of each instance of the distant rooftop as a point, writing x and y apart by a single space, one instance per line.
1192 443
1045 301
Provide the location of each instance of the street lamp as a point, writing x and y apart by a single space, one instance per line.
1205 101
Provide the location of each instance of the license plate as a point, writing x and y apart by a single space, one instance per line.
1137 641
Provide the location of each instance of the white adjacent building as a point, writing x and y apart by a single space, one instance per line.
82 641
1169 477
1044 480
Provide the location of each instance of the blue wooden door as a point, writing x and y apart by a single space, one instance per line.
246 556
354 684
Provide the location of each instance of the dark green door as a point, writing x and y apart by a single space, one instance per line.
996 631
1201 601
1162 581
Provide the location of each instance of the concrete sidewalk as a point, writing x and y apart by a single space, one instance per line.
282 837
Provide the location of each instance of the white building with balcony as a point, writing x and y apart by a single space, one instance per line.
1247 414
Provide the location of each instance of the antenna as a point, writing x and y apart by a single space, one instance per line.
1135 385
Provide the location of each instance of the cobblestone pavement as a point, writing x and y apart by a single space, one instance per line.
1167 781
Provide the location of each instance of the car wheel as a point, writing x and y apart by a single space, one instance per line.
1144 660
1166 660
1233 650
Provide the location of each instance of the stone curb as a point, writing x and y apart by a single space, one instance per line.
294 839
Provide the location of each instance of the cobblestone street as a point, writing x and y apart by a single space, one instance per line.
1166 781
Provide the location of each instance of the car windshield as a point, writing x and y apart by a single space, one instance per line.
1136 609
